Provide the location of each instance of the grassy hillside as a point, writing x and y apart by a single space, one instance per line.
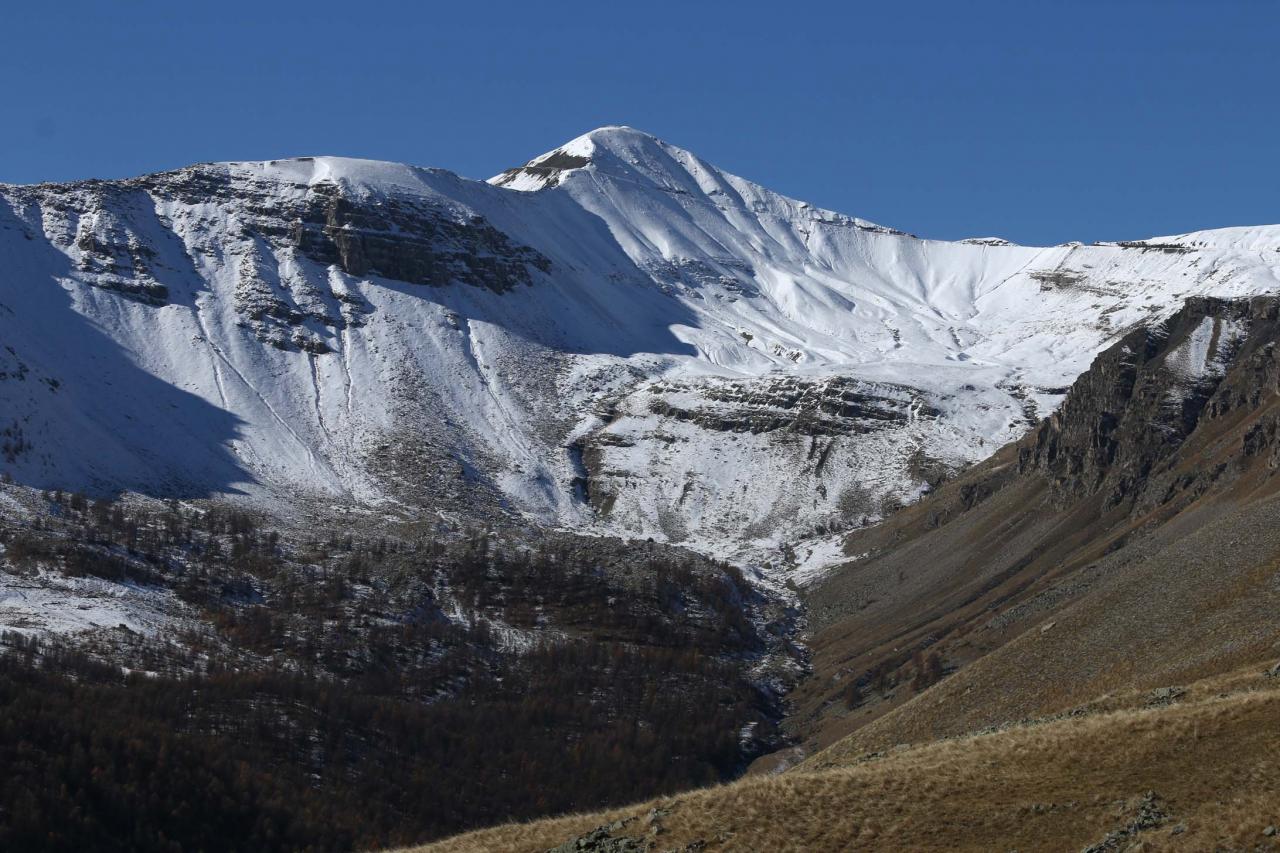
1193 770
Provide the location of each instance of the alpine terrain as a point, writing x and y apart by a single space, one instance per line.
350 504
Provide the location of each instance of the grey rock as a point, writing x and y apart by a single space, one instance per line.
830 407
1148 813
1165 695
602 840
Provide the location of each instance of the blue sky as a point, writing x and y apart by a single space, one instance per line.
1038 121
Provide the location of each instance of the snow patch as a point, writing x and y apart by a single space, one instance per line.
50 603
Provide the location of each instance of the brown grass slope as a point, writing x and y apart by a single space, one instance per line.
1201 773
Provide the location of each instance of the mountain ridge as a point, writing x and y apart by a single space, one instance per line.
316 301
409 454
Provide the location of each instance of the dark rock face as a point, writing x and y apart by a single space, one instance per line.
397 238
834 406
602 840
120 241
1145 395
401 240
547 169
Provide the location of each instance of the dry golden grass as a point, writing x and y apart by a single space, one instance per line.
1213 759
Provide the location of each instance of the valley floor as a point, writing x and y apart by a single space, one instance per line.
1188 768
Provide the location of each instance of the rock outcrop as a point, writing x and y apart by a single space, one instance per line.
1129 539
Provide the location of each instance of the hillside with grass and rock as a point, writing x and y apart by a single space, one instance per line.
1072 646
348 504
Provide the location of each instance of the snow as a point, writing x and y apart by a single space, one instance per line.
664 271
52 603
1192 359
1203 355
817 557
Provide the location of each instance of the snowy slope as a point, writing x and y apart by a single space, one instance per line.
617 335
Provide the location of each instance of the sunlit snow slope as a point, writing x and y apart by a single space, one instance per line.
616 335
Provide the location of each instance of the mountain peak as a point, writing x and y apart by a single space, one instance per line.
612 137
603 148
614 131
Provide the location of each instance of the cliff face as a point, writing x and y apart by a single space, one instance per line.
1143 397
1127 541
117 233
617 336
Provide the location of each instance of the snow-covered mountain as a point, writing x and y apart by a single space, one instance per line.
616 336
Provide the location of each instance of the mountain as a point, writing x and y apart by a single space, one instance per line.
616 336
1072 645
1125 543
348 504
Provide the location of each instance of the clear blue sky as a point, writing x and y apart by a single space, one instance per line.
1039 121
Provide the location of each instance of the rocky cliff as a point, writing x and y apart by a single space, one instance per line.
1128 540
617 335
